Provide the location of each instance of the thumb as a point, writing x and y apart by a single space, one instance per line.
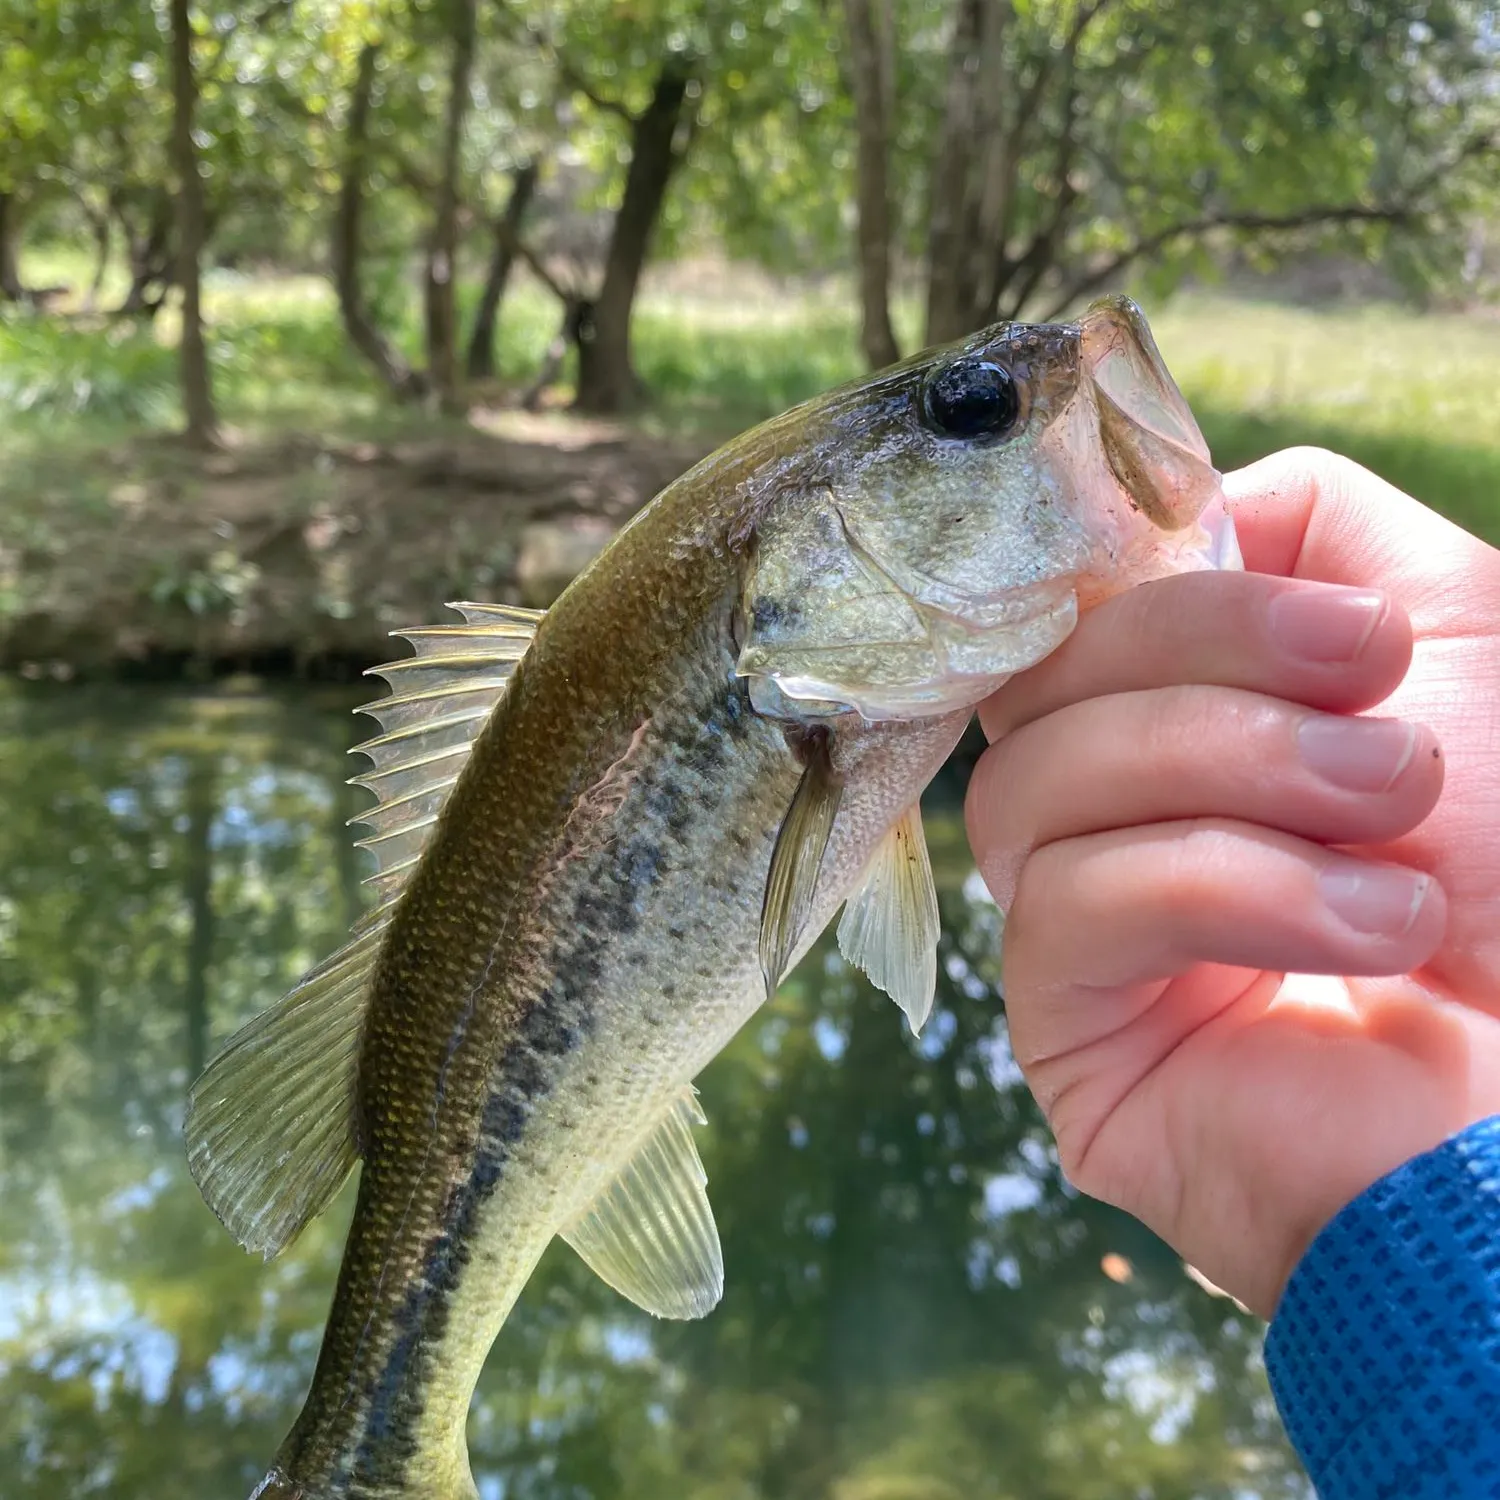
1308 513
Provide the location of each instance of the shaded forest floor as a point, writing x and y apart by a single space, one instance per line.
294 554
330 518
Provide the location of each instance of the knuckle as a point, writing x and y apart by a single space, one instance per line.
1032 905
1193 731
1194 868
1326 475
999 812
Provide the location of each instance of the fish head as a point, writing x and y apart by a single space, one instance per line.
946 521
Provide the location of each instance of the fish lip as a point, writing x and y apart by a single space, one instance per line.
807 693
1150 437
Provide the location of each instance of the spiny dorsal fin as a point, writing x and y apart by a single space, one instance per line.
439 701
890 923
792 880
270 1125
651 1234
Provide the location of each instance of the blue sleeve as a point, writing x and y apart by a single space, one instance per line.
1384 1355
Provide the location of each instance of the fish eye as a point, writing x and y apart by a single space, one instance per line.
971 399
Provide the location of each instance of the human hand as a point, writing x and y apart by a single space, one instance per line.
1177 809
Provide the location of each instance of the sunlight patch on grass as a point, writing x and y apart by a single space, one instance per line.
1415 397
1377 369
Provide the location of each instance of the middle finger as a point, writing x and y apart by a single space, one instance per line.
1329 647
1196 752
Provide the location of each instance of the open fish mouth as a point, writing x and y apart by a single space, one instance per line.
1152 441
881 612
960 659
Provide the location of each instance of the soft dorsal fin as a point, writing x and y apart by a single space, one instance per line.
270 1125
792 880
890 923
651 1234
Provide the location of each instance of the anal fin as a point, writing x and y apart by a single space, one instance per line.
890 923
651 1233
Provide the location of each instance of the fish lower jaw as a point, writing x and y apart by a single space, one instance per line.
957 667
1210 544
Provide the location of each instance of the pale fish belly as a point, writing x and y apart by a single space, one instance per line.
653 923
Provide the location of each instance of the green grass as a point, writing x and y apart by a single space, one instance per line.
1416 398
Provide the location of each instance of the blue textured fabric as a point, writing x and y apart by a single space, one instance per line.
1384 1355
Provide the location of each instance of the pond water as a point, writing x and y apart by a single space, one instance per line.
918 1306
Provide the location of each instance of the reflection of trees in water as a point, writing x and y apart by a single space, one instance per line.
915 1308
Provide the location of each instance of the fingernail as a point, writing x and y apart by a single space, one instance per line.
1379 900
1356 755
1324 624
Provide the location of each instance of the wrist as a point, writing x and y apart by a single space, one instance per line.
1384 1355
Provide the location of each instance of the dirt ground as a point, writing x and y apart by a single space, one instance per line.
299 555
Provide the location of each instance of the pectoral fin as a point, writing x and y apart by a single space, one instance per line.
795 861
890 924
651 1234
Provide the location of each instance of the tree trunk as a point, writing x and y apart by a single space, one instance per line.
442 251
871 81
197 379
404 383
481 357
201 423
102 227
150 257
971 175
577 317
607 381
11 289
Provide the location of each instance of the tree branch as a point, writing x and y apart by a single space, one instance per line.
264 16
408 173
1404 212
1085 18
1352 213
1035 259
1039 255
1031 100
580 85
511 237
572 76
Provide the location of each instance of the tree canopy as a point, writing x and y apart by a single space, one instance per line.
980 158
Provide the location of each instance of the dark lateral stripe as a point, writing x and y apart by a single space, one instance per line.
397 1395
606 905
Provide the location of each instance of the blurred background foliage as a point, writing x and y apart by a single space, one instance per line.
935 164
457 234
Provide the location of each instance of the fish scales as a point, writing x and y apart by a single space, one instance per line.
717 736
563 984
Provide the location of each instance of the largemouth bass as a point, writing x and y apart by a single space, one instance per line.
604 835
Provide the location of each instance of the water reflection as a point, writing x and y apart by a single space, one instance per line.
918 1308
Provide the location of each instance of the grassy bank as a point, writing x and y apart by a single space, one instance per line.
331 510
